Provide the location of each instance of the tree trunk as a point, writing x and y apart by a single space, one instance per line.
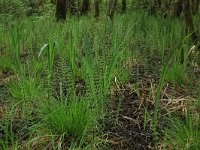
188 21
123 6
196 9
111 9
85 7
192 5
96 8
177 8
53 2
159 3
61 10
195 6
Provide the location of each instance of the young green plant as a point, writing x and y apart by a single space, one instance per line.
50 55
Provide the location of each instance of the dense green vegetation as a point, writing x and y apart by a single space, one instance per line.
96 82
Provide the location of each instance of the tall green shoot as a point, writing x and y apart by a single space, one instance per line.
72 54
50 55
89 66
162 78
16 38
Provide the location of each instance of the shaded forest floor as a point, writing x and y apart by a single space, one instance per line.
128 121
